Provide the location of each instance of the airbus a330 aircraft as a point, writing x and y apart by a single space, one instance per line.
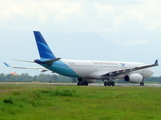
87 71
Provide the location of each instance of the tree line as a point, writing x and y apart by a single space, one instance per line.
53 78
25 77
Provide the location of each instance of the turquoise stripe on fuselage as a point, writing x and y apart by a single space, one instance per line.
61 68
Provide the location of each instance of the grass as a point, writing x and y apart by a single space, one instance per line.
47 102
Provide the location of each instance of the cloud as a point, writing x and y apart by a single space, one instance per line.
133 42
39 12
112 19
116 2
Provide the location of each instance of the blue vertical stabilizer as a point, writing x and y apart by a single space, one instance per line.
43 48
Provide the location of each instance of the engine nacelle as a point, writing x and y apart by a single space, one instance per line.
133 78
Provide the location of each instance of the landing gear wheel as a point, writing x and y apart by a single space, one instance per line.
83 83
105 83
109 83
79 83
86 83
113 83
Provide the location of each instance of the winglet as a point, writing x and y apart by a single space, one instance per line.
156 63
7 64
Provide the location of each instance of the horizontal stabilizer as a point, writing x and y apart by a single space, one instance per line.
48 62
43 69
7 64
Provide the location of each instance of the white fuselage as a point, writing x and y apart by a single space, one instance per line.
95 69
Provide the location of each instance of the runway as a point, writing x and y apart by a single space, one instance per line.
75 84
128 85
101 84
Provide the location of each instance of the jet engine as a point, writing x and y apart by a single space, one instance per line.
134 78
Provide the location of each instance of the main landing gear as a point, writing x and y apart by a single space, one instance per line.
81 82
142 83
109 83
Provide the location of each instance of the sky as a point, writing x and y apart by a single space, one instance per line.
108 30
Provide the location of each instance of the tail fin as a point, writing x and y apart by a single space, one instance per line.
43 48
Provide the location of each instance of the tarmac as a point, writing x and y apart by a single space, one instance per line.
75 84
129 85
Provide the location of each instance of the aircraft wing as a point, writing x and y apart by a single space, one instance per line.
42 69
123 71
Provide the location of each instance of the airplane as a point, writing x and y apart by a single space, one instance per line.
88 71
